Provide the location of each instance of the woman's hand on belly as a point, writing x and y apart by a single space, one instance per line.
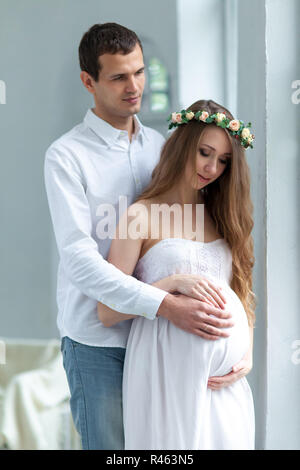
198 287
239 370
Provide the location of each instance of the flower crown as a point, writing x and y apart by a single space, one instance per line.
236 127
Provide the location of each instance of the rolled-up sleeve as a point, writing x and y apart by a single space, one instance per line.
84 266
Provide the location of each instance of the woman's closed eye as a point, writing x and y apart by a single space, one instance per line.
204 153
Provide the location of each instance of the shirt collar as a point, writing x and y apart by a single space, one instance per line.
109 133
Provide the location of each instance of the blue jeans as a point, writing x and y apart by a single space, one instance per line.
95 379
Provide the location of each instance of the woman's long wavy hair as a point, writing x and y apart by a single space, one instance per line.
227 199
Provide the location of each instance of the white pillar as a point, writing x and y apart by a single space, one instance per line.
268 49
282 224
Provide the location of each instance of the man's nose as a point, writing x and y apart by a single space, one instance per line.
131 85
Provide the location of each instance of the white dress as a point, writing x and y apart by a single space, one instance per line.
166 402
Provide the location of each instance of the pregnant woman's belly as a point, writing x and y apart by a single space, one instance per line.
226 352
160 344
165 393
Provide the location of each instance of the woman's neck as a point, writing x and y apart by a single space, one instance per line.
181 196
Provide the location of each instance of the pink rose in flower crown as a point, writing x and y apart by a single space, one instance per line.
234 125
204 115
174 118
178 118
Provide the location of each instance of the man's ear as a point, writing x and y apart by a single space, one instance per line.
87 81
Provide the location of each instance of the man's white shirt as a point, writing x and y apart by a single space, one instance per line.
91 165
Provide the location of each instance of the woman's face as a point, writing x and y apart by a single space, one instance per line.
213 152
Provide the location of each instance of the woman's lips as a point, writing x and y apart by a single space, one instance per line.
204 180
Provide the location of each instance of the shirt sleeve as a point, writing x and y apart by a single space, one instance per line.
85 267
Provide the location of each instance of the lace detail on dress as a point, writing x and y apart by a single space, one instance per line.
177 255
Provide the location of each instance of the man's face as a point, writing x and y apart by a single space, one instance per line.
119 89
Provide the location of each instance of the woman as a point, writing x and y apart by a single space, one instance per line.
166 398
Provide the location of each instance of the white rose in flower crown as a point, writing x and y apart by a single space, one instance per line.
234 125
245 133
220 117
204 115
190 115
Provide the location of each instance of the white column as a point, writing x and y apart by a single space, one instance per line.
268 71
282 224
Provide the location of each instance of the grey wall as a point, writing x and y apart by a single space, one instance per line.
201 54
44 99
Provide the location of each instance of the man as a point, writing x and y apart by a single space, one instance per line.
108 155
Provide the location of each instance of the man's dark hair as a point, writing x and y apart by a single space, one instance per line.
106 38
